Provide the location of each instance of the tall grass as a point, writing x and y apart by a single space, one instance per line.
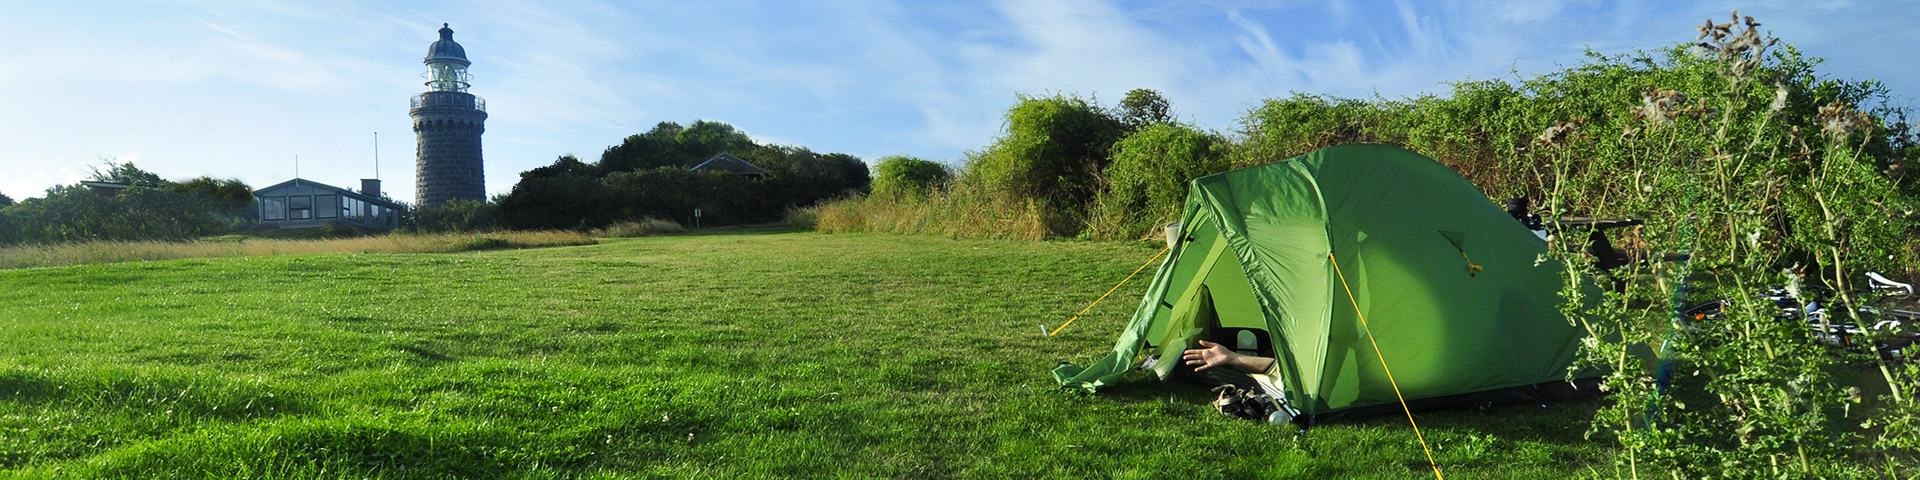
646 226
32 256
963 210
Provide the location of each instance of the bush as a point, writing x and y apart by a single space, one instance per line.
1147 182
1050 156
647 176
908 177
459 215
644 227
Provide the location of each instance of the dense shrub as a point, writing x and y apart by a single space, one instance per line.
645 226
904 177
648 175
151 208
1051 155
1147 182
458 215
564 195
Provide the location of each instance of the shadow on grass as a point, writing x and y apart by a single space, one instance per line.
105 392
1561 423
756 229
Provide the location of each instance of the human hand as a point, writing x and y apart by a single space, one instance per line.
1213 355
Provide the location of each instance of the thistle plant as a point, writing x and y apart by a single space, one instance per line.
1730 182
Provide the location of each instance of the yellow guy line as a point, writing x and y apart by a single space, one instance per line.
1383 364
1103 296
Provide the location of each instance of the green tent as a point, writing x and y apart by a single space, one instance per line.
1455 291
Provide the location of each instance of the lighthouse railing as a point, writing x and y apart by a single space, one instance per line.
448 99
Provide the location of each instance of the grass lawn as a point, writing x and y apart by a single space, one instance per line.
725 356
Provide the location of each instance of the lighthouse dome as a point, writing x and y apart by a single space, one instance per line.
445 50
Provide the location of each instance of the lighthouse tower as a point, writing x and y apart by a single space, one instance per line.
448 122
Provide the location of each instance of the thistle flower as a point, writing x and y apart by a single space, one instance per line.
1840 120
1659 107
1742 51
1779 98
1558 135
1708 29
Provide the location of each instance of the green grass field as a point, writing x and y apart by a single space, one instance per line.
754 354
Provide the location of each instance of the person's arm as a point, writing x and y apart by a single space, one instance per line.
1215 355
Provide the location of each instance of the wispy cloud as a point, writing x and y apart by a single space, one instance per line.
234 88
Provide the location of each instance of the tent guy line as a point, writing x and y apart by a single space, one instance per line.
1383 361
1103 296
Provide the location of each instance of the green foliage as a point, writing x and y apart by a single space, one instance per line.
564 195
5 201
647 176
705 139
125 173
1143 107
458 215
229 194
1147 182
654 149
1284 128
1051 155
646 226
75 213
1718 154
908 177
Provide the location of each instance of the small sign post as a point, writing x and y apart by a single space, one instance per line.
696 218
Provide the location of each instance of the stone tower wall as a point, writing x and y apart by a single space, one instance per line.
447 160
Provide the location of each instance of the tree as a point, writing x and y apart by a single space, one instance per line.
647 175
564 166
126 174
656 148
224 193
1144 107
705 139
566 194
5 200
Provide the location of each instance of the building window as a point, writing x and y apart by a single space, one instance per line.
300 208
329 206
273 208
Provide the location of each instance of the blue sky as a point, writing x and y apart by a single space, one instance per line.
238 88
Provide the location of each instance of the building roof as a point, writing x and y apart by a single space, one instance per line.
446 50
105 185
728 163
342 191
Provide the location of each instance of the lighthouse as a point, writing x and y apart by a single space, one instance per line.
448 122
